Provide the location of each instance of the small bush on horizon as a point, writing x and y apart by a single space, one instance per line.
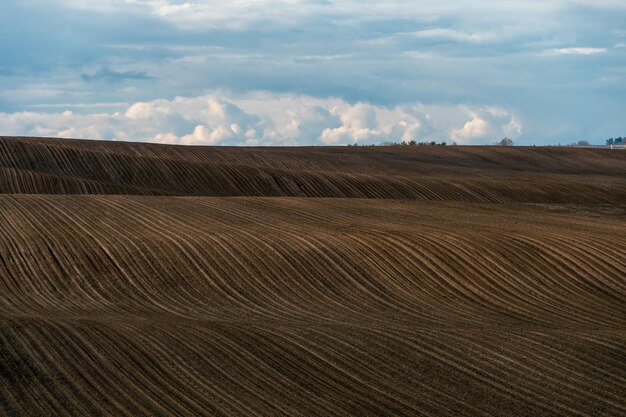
504 142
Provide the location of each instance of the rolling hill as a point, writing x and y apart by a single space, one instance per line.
151 280
460 173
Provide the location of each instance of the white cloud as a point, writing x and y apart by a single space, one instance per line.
578 51
168 9
603 4
358 123
241 14
455 35
475 128
141 110
116 104
205 136
263 118
31 92
486 123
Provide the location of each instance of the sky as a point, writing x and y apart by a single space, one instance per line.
305 72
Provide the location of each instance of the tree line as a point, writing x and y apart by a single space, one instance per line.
406 143
501 142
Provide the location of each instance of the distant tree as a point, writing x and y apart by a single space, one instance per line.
412 142
616 141
505 142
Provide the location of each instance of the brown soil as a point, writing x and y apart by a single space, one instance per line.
461 281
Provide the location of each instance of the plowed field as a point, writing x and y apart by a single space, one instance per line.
148 280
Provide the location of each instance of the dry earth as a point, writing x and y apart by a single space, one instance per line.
147 280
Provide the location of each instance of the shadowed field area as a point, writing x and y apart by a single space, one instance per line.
455 281
459 173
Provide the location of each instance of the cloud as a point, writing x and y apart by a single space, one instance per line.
263 118
603 4
146 111
578 51
455 35
386 55
169 9
117 104
272 14
487 122
358 123
110 75
474 128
